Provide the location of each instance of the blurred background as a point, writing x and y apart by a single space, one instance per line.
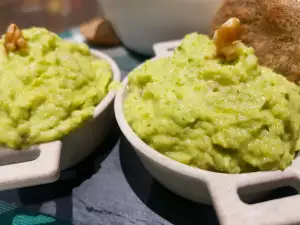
56 15
138 24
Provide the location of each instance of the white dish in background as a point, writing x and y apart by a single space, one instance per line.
165 48
220 189
140 24
42 163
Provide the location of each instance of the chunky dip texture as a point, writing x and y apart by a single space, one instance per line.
230 117
48 89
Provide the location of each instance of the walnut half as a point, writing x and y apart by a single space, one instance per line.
14 39
225 39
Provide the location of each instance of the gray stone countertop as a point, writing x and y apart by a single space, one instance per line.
111 187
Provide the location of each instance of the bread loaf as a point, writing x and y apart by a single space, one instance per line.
99 31
271 27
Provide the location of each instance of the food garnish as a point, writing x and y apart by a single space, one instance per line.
14 39
226 39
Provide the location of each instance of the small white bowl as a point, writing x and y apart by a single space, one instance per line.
140 24
42 164
217 188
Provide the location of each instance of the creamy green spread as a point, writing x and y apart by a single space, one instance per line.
230 117
49 90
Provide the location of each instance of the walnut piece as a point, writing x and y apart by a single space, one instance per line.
226 39
14 39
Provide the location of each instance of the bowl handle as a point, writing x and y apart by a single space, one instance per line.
232 210
165 48
44 169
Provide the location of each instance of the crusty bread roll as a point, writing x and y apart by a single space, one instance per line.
99 31
271 27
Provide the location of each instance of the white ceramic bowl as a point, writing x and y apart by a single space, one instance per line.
217 188
46 160
140 24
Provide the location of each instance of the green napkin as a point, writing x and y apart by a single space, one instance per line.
13 215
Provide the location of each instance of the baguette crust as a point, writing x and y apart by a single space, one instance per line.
271 27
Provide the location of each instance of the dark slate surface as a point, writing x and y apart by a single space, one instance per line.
111 187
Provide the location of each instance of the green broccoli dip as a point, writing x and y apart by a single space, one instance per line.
230 117
49 90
